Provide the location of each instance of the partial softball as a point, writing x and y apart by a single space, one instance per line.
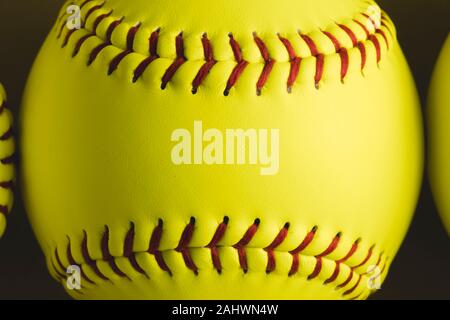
439 137
6 163
221 150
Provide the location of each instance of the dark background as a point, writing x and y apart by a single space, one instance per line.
422 267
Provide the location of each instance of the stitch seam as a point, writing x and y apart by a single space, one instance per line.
241 64
241 246
8 185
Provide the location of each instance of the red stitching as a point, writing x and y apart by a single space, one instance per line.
107 254
183 246
7 135
61 266
340 261
241 65
154 247
3 106
9 185
376 43
179 61
89 261
95 52
362 50
295 63
83 39
207 66
218 235
88 14
153 47
268 64
8 160
350 33
320 59
239 68
318 267
114 64
240 246
4 210
295 253
343 54
271 263
129 253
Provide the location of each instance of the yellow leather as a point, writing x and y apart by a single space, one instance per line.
439 120
97 168
6 165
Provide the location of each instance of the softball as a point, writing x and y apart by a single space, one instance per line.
221 150
6 161
439 120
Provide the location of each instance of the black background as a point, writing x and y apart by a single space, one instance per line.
421 269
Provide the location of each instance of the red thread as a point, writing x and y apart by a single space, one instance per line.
295 63
130 43
153 47
240 246
61 266
363 27
179 61
271 263
218 235
354 287
238 69
4 210
9 185
376 43
154 247
3 106
183 246
7 160
362 50
67 38
295 258
320 59
85 3
268 64
343 54
333 245
107 43
207 66
83 39
350 33
91 11
128 250
338 262
107 254
74 263
334 40
7 135
383 34
375 25
89 261
369 255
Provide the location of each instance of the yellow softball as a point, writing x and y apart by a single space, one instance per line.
439 128
221 150
6 161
